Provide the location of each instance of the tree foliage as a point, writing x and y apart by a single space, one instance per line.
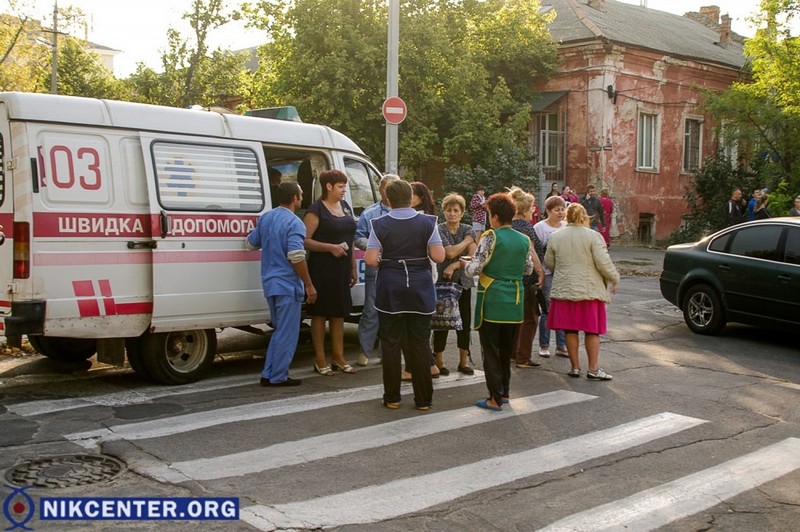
760 117
192 74
27 54
466 68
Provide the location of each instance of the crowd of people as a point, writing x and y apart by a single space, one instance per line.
738 210
531 273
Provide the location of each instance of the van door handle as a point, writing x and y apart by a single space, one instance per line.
165 225
148 244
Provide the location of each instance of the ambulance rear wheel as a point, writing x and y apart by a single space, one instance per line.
64 349
178 357
133 350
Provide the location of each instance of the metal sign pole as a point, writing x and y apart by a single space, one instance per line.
392 62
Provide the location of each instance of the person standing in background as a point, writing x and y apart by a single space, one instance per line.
502 258
280 235
553 191
526 332
795 211
582 273
751 205
330 228
555 210
608 207
400 245
368 322
734 209
477 206
594 209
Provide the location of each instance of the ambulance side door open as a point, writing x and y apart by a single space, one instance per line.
205 197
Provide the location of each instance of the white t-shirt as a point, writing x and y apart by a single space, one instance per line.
543 230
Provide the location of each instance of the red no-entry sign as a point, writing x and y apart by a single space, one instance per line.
394 109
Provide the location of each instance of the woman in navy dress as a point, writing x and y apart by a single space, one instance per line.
330 228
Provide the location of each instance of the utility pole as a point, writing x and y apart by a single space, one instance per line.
392 62
54 70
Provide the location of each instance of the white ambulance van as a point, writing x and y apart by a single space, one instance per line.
125 224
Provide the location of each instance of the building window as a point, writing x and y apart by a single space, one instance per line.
550 139
692 137
646 142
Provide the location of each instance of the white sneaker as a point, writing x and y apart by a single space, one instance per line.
362 360
544 352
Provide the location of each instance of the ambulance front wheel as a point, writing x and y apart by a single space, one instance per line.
178 357
64 349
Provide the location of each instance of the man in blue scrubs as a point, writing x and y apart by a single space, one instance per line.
279 235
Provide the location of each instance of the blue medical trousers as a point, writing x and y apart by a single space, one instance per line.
284 313
368 322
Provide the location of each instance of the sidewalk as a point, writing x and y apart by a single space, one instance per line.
637 261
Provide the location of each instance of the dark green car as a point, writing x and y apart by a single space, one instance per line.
747 273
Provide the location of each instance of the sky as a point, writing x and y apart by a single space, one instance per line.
137 28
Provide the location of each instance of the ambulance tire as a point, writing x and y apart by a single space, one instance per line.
178 357
134 353
64 349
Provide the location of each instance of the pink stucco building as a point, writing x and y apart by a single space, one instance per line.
625 109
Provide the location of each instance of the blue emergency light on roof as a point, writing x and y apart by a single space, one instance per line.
281 113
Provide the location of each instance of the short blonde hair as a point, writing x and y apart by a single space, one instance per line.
523 200
576 214
454 199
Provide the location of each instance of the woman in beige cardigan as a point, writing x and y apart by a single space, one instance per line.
582 273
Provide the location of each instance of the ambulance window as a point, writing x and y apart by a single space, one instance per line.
363 183
207 178
301 166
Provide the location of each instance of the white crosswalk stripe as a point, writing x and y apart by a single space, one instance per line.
160 428
377 503
339 443
161 440
686 496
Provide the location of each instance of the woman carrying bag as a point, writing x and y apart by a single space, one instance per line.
458 240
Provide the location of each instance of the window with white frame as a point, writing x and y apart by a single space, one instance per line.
692 143
646 142
550 140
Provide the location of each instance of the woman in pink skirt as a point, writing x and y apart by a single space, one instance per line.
583 276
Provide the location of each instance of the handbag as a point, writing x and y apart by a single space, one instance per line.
447 315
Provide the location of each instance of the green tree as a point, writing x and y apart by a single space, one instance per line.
192 74
760 116
80 74
27 56
466 69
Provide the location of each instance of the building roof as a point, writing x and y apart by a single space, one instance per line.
607 20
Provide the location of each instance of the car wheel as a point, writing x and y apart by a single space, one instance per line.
702 310
177 357
133 350
64 349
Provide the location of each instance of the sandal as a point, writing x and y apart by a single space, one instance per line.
484 403
391 406
326 370
466 370
344 368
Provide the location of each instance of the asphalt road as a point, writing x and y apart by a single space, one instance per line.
693 433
